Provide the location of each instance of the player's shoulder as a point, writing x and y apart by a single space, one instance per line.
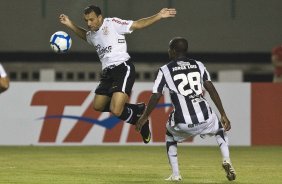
199 63
117 20
107 20
169 64
88 33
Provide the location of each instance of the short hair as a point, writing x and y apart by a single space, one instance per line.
179 45
92 8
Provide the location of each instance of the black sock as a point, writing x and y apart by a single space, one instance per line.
129 113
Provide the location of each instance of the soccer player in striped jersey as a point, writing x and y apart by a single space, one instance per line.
192 115
4 80
107 35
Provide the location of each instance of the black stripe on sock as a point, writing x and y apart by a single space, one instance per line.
168 144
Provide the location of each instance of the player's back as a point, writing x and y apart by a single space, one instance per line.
185 78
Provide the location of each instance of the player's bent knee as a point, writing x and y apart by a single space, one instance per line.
116 111
98 107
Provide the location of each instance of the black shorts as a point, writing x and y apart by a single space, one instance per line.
118 78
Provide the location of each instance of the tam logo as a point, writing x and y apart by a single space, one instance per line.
56 101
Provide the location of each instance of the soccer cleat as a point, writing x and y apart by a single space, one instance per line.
146 133
230 172
174 178
145 130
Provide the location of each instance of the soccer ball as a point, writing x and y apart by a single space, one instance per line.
60 42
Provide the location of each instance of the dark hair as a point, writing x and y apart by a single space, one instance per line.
179 45
92 8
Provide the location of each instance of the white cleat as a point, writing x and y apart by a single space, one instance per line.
230 172
174 178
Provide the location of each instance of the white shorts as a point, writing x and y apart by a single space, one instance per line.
182 131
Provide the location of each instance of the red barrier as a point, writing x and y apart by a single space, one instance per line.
266 114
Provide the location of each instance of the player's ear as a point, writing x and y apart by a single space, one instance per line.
100 17
173 52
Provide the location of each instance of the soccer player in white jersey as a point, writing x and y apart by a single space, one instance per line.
118 72
4 80
192 115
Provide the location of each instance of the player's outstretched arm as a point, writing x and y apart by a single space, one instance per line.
145 22
79 31
217 101
155 97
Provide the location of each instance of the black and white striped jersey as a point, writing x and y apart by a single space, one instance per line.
184 78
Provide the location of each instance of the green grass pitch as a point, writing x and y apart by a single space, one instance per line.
135 164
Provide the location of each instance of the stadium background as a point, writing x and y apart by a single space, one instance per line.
227 35
232 37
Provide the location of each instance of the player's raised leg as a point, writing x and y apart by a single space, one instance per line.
171 147
117 106
129 113
101 103
222 140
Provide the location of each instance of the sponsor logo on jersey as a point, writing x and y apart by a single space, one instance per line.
57 101
105 30
182 65
101 51
121 40
120 22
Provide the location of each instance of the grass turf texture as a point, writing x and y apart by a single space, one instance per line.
135 164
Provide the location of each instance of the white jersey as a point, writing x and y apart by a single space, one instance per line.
109 41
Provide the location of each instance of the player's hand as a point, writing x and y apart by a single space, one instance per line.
64 19
167 12
142 120
225 123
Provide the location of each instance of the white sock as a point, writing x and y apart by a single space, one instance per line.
222 140
2 71
172 157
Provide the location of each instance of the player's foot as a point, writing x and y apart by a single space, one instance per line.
174 178
145 130
146 133
230 172
138 113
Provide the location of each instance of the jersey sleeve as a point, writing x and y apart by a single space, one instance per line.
88 38
206 75
122 26
160 83
204 72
